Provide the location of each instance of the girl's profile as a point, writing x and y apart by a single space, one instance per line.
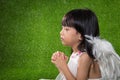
92 58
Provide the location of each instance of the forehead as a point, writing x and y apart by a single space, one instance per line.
70 28
67 27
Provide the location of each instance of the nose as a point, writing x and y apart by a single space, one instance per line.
61 32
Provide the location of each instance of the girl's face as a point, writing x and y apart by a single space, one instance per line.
69 36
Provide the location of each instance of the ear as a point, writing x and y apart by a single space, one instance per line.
80 36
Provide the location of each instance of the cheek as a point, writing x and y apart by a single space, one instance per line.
67 40
74 39
71 39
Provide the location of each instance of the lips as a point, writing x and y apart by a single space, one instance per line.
61 38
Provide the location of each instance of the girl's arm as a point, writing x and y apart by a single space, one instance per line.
60 60
83 67
82 71
68 75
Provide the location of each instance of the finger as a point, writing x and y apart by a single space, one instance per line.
66 58
63 55
53 56
54 62
58 54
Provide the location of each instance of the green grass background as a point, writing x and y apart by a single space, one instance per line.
29 34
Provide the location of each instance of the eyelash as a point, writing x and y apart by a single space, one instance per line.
66 29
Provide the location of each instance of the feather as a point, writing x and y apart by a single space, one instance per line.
108 59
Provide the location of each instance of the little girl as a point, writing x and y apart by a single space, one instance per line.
80 31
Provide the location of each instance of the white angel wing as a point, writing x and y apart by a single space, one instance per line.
108 59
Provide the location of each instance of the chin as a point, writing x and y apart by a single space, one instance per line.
65 44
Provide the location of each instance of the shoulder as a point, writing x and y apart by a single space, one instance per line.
85 58
83 68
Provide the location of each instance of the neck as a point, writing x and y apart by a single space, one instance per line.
75 48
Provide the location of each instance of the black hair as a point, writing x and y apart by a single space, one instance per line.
86 23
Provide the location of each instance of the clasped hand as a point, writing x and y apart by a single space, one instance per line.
59 59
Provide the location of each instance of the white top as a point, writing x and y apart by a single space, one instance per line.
72 65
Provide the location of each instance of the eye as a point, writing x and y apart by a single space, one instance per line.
67 29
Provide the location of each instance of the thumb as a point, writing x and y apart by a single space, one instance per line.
66 58
53 61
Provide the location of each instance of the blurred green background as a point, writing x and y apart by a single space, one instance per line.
29 34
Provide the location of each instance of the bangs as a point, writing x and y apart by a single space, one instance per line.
67 21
